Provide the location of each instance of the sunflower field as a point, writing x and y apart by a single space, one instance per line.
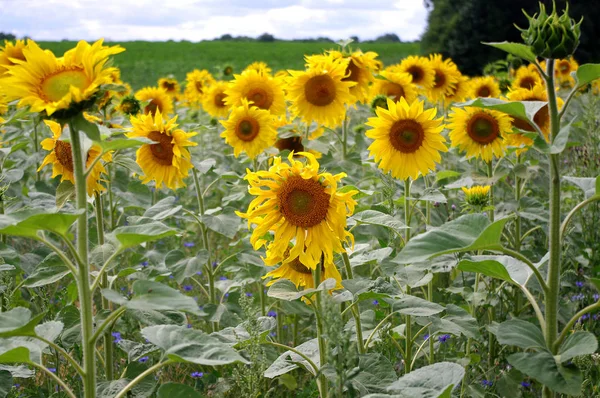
345 229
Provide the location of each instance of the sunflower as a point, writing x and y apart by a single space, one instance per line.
445 78
157 100
300 204
479 132
262 90
295 144
394 85
563 69
419 68
319 94
197 81
170 85
459 91
301 275
526 77
477 195
408 139
47 83
9 53
261 67
213 100
61 158
249 129
168 161
360 69
484 86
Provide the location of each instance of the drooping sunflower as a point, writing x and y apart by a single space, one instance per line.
419 68
262 90
459 91
213 101
479 132
526 77
361 68
9 53
394 85
299 204
299 274
197 82
320 94
483 87
446 76
260 67
170 85
408 139
168 161
61 158
157 100
249 129
47 83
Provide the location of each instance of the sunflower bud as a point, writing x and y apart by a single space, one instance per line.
551 35
380 101
130 105
477 196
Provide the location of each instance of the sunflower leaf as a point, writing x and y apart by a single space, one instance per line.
517 49
587 73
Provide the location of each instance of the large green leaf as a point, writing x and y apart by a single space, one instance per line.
188 345
284 289
18 322
28 222
524 110
82 125
521 334
133 235
464 322
150 295
467 233
174 390
589 186
162 209
505 268
517 49
543 367
182 266
50 270
577 344
416 306
587 73
224 224
14 355
374 217
433 381
6 383
289 360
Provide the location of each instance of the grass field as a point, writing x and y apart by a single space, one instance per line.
144 62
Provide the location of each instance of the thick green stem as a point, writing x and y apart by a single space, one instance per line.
345 136
83 281
518 182
318 308
355 311
408 319
490 173
431 347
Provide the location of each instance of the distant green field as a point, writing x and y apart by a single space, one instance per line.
144 62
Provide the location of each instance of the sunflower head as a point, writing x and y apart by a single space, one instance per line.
407 139
155 99
67 85
249 129
479 132
261 67
130 105
213 100
168 160
170 85
262 90
395 85
484 87
457 92
526 77
228 70
360 70
445 77
197 83
9 53
477 196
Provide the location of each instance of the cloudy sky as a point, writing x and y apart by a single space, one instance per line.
206 19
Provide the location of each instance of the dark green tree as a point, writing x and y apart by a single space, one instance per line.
456 28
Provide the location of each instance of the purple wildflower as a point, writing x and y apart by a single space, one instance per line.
443 338
197 375
143 359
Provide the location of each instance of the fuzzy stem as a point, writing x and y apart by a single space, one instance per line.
141 376
354 308
408 329
490 173
318 308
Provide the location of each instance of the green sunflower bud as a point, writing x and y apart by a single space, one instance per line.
380 101
551 35
130 105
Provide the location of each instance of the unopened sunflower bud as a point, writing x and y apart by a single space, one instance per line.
380 101
130 105
477 195
551 35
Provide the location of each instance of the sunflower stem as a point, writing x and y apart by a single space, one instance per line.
83 280
318 307
355 311
407 234
490 174
345 136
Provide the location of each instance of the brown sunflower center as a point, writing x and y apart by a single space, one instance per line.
57 85
483 128
247 129
260 97
320 90
439 79
352 72
542 117
395 90
290 144
219 100
564 67
153 106
527 82
64 154
162 151
303 203
417 73
484 91
407 135
297 266
198 86
169 86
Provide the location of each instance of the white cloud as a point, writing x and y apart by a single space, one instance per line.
206 19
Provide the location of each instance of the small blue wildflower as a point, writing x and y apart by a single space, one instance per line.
171 276
487 383
16 385
453 207
579 284
117 337
188 288
485 213
53 370
525 384
25 276
214 264
272 334
144 263
189 244
272 314
197 375
143 359
123 288
198 272
375 302
226 294
285 326
248 294
436 204
426 336
223 278
443 338
596 297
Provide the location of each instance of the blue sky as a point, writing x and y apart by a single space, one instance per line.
206 19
